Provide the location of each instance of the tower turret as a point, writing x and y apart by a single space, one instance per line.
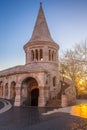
41 47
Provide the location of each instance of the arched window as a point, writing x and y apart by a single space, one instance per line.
13 90
49 55
41 54
32 55
53 56
36 51
54 81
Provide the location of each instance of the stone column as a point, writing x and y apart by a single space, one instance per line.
9 90
41 100
51 55
18 95
38 55
26 52
45 54
54 58
34 55
28 57
4 91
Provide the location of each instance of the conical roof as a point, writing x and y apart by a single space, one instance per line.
41 31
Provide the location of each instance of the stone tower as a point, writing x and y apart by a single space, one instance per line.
42 51
36 82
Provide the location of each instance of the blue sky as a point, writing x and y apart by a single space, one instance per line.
67 22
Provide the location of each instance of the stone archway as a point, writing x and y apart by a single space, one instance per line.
29 92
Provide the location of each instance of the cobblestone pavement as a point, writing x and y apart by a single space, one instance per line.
31 118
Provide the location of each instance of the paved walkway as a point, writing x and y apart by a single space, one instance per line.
77 110
66 109
31 118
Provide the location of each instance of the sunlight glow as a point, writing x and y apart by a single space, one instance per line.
79 110
80 82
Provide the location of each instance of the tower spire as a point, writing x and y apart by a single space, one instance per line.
41 31
40 3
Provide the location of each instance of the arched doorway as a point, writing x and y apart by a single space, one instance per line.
34 97
30 92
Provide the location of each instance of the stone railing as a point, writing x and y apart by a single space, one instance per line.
69 95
